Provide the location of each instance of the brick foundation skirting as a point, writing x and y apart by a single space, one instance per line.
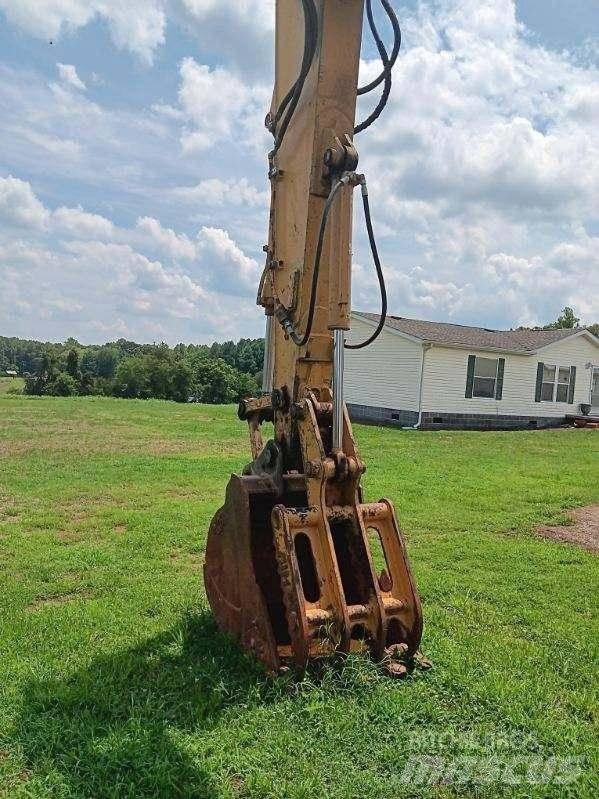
383 416
393 417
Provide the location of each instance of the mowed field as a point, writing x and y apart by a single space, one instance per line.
114 681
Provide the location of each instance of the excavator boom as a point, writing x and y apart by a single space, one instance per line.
289 567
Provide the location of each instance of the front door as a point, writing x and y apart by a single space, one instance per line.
595 389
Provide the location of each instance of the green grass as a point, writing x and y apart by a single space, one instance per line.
11 385
114 681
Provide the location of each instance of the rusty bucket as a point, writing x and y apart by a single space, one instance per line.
291 582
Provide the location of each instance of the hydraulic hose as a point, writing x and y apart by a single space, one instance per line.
282 119
379 273
387 63
302 340
396 44
291 99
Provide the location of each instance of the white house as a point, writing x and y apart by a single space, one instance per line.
436 375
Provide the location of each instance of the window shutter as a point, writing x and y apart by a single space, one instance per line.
540 368
499 383
470 376
572 385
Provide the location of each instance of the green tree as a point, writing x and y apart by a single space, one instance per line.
72 367
62 385
86 384
107 359
181 377
131 379
567 319
158 370
246 360
247 386
46 373
214 381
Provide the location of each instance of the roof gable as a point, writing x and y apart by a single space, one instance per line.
452 335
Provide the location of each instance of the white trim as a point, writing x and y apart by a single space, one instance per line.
425 349
474 376
594 368
556 383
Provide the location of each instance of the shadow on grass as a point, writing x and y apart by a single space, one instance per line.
111 729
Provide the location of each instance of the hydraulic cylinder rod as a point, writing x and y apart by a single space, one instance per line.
338 370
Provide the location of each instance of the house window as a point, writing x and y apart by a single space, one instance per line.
563 384
548 384
556 383
485 377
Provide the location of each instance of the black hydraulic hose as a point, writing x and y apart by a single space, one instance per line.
396 44
379 273
302 340
387 64
308 33
285 113
291 99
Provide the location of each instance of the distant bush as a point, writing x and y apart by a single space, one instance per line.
63 385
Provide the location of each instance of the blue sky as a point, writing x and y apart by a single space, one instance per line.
133 196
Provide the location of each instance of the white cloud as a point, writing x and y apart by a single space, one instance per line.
19 205
237 31
483 171
175 245
218 192
220 107
138 25
68 74
76 272
487 155
80 224
229 266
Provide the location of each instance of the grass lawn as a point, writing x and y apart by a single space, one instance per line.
11 385
114 681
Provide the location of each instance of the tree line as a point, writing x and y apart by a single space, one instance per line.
217 373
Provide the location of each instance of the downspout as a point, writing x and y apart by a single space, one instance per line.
426 346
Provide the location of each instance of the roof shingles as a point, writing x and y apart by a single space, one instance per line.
524 341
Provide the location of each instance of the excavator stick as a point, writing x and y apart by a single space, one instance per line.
289 568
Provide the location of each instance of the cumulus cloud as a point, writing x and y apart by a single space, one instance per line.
67 268
68 74
237 31
215 191
230 266
80 224
483 171
219 106
19 205
138 25
174 245
487 154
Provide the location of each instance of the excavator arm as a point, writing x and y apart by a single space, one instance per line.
289 565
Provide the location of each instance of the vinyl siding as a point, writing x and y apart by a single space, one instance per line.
445 369
385 374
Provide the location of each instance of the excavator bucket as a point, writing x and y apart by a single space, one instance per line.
293 581
240 571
